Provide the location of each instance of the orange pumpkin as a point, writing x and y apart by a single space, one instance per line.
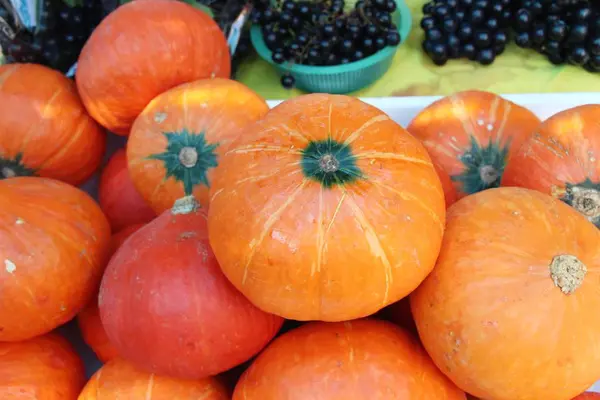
358 360
588 396
471 136
561 159
119 379
44 129
88 319
509 311
179 316
45 367
326 209
118 197
179 138
143 49
53 248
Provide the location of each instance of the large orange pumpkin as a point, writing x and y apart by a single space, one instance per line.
44 129
510 309
53 248
358 360
562 159
118 197
120 380
88 319
471 136
142 49
326 209
44 368
180 137
167 307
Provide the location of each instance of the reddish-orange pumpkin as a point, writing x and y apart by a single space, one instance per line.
88 319
167 307
143 49
326 209
472 136
118 197
46 367
178 140
588 396
509 311
44 129
54 242
562 159
119 379
358 360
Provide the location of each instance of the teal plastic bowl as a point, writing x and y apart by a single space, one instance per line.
338 79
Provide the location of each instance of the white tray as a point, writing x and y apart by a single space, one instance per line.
401 110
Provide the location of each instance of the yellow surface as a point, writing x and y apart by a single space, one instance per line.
413 74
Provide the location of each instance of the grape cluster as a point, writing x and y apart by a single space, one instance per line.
474 29
565 31
323 32
59 36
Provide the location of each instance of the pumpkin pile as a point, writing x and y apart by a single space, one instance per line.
314 250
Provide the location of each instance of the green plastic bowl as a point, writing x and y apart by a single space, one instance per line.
338 79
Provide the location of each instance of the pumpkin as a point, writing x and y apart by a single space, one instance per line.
509 311
54 242
561 159
588 396
326 209
177 141
143 49
118 197
163 294
44 129
472 136
120 380
358 360
46 367
88 319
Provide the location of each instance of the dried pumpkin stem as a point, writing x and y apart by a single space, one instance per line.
188 157
488 174
8 173
567 272
185 205
586 201
329 163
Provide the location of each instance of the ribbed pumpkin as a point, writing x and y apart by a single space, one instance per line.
509 311
44 368
178 140
88 319
141 50
118 197
120 380
44 128
562 159
54 242
179 316
358 360
472 136
326 209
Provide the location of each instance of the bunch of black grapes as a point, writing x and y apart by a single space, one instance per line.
323 33
565 31
474 29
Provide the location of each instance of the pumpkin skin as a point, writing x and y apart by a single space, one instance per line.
54 243
46 367
588 396
120 380
332 201
492 296
45 129
88 319
179 138
472 136
143 49
561 160
358 360
163 294
118 197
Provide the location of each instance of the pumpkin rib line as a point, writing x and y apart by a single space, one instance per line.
297 134
458 109
500 132
376 155
268 225
373 120
149 388
252 149
75 137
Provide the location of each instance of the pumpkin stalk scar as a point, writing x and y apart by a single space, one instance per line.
584 197
185 205
329 163
567 273
11 168
10 266
273 218
356 134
